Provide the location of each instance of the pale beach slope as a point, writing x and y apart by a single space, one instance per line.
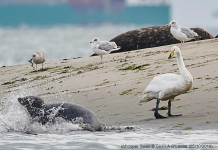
112 89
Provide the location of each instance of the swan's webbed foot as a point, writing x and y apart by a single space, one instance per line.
158 116
170 115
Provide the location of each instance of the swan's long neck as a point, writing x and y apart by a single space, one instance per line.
183 71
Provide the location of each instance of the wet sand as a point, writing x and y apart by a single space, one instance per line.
112 89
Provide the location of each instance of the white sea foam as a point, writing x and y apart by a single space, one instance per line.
15 118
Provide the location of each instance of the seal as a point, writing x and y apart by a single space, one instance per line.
151 37
41 112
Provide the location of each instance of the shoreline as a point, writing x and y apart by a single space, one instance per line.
112 89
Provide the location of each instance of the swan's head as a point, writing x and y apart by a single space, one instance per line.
94 40
173 24
174 51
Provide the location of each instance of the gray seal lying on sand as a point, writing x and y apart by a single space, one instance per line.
42 112
151 37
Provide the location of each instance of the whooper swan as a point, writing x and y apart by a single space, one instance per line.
168 86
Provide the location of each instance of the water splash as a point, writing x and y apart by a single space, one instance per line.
15 118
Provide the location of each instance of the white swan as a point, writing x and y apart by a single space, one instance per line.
168 86
182 33
38 58
103 47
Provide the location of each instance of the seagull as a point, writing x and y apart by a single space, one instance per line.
103 47
182 33
37 58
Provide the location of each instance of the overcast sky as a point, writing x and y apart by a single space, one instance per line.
193 13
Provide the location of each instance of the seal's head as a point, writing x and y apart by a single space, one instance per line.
35 106
32 101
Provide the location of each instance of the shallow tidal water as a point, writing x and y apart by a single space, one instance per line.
17 132
110 140
57 42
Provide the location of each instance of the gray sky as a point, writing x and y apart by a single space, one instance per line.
203 13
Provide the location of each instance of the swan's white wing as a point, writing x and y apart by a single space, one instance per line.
163 81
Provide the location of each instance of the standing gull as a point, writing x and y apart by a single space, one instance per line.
38 58
182 33
103 47
168 86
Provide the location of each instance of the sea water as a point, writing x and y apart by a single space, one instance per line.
109 140
17 132
17 44
57 42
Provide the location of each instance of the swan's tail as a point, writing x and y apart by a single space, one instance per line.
143 99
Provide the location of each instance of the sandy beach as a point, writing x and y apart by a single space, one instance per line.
112 89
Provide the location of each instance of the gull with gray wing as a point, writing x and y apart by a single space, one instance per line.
37 58
103 47
182 33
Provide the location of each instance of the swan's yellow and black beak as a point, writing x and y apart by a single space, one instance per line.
167 25
171 54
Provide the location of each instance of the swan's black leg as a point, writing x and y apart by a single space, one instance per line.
156 114
169 110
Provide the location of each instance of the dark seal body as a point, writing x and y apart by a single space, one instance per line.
43 113
151 37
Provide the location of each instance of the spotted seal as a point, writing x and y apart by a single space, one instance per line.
151 37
